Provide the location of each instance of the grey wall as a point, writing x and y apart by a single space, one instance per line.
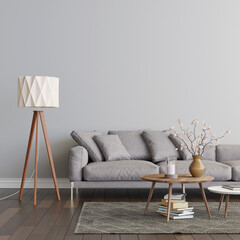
123 64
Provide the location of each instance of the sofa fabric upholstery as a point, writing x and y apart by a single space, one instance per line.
209 153
227 152
85 139
111 147
235 164
78 158
219 171
122 170
134 144
159 145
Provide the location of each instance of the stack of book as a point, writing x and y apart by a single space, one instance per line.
179 208
233 187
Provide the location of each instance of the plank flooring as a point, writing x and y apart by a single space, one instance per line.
52 219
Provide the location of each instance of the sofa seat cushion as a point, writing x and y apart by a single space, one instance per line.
220 171
122 170
235 164
134 143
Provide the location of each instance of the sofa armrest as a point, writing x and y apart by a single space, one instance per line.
78 158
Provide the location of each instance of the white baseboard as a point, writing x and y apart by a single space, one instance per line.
41 183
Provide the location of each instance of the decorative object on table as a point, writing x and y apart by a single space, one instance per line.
223 193
38 92
127 218
171 168
183 179
195 143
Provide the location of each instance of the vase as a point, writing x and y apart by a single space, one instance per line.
197 168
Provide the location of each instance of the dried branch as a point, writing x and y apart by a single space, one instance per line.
199 142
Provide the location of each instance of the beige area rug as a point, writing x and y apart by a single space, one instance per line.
128 218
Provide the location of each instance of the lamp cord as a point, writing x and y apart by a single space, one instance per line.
6 197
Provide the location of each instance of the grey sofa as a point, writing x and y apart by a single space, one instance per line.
224 166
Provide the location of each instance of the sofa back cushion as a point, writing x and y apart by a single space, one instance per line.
134 144
85 139
209 153
228 152
159 145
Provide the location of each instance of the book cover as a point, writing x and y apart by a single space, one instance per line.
176 204
176 214
172 200
176 196
235 187
177 211
178 217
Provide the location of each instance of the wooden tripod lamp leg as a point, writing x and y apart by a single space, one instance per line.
49 152
36 161
28 154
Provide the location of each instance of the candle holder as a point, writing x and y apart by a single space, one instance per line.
171 168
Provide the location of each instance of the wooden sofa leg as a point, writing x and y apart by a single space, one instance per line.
72 186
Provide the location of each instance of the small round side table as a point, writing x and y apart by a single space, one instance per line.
223 191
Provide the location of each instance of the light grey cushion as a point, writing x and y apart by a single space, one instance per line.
159 145
235 164
111 147
122 170
228 152
209 153
134 143
85 139
221 172
78 158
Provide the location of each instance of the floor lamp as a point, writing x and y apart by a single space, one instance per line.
38 92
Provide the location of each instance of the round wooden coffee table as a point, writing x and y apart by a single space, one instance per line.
183 179
223 192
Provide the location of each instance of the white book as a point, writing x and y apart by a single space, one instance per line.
178 217
176 196
178 209
175 214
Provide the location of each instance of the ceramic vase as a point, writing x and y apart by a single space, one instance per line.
197 168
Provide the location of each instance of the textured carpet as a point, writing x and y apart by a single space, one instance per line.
128 218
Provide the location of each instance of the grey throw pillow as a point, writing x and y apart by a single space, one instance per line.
85 139
159 145
111 147
134 144
209 153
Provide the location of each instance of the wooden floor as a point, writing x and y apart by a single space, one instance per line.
56 220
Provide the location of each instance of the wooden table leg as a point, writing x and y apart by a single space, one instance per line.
149 197
183 188
169 201
226 204
205 199
220 202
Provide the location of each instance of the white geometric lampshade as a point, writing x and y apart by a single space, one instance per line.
38 91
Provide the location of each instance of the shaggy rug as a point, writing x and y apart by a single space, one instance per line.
128 218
